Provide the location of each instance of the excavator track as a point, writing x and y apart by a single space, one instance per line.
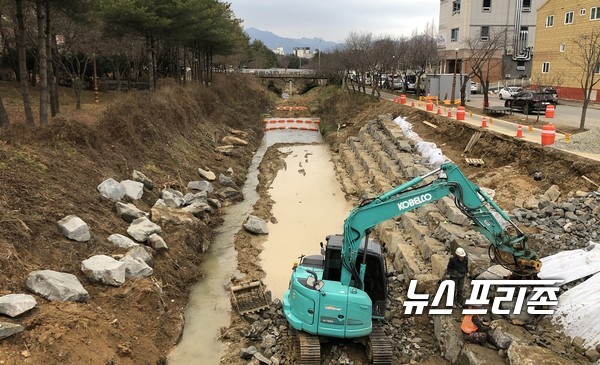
307 348
379 347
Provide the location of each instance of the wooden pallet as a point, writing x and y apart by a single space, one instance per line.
477 162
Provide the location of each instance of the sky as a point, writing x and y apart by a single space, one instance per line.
333 20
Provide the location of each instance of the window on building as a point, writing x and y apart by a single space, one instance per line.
456 7
520 65
569 17
454 35
485 33
545 67
550 21
563 47
595 13
487 6
526 5
597 70
582 11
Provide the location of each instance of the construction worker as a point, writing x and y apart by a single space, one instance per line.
473 329
458 267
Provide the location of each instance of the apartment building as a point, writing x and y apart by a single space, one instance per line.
559 22
303 52
481 20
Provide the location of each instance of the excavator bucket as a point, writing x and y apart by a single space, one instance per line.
249 297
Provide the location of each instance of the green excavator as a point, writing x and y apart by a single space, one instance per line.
342 292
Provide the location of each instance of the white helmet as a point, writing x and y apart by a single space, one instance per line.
460 252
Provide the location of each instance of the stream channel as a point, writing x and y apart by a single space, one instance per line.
308 205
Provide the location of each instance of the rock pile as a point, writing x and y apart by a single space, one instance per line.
561 224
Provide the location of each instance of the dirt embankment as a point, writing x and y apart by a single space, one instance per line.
49 172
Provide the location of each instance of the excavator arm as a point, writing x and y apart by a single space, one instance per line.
468 197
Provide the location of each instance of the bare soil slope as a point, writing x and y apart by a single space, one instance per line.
49 172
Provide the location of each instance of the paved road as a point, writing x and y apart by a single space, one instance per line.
567 113
532 135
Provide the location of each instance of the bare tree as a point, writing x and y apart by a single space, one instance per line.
483 57
586 59
81 44
423 52
357 56
42 60
23 63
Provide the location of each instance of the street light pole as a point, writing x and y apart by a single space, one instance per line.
454 77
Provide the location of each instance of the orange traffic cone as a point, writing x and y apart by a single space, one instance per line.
519 132
449 113
439 111
484 123
412 103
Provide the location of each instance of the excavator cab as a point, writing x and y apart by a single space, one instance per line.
375 276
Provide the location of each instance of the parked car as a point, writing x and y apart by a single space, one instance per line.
550 90
398 83
508 92
529 101
474 87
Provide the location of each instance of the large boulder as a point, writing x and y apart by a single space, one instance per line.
201 185
199 197
13 305
133 189
172 198
104 269
111 189
9 329
135 267
129 212
171 215
74 228
141 228
143 253
157 243
207 174
56 286
138 176
256 225
122 241
523 354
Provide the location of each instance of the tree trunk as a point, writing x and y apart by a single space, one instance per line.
52 88
4 122
463 91
150 57
42 61
23 64
77 86
586 103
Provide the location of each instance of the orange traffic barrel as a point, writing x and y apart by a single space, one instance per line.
402 99
460 113
548 134
429 105
550 111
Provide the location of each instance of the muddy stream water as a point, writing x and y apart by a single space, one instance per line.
308 206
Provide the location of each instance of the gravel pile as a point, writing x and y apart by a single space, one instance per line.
582 142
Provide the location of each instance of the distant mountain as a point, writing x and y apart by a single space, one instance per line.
273 41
